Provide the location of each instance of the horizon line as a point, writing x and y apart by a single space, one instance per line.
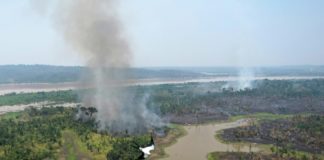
193 66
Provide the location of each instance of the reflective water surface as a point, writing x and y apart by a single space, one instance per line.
200 140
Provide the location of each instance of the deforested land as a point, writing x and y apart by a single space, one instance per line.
284 115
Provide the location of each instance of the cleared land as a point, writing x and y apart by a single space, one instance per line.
302 132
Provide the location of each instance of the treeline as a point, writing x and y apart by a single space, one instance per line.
286 88
37 134
28 98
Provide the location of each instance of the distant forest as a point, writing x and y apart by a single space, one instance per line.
38 74
57 74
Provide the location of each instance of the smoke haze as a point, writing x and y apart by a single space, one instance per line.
92 28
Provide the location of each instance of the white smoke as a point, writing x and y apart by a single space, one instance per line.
244 81
246 77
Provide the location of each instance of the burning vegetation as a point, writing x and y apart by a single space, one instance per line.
94 30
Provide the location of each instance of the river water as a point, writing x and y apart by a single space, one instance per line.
47 87
200 140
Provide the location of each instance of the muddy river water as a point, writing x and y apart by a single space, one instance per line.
47 87
200 140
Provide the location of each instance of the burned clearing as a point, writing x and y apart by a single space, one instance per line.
304 133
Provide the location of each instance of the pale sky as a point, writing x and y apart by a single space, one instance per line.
182 33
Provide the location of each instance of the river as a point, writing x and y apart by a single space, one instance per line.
47 87
200 140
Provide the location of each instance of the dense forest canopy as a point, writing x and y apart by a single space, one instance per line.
56 133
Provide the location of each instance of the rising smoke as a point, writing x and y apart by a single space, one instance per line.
93 29
246 77
244 81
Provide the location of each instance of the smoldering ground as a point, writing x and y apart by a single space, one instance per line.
245 80
93 29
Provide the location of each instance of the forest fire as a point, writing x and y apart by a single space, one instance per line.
94 30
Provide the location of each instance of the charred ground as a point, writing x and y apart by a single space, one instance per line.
304 133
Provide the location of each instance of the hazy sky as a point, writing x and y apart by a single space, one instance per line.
182 33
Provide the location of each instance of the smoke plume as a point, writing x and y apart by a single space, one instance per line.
93 29
245 78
